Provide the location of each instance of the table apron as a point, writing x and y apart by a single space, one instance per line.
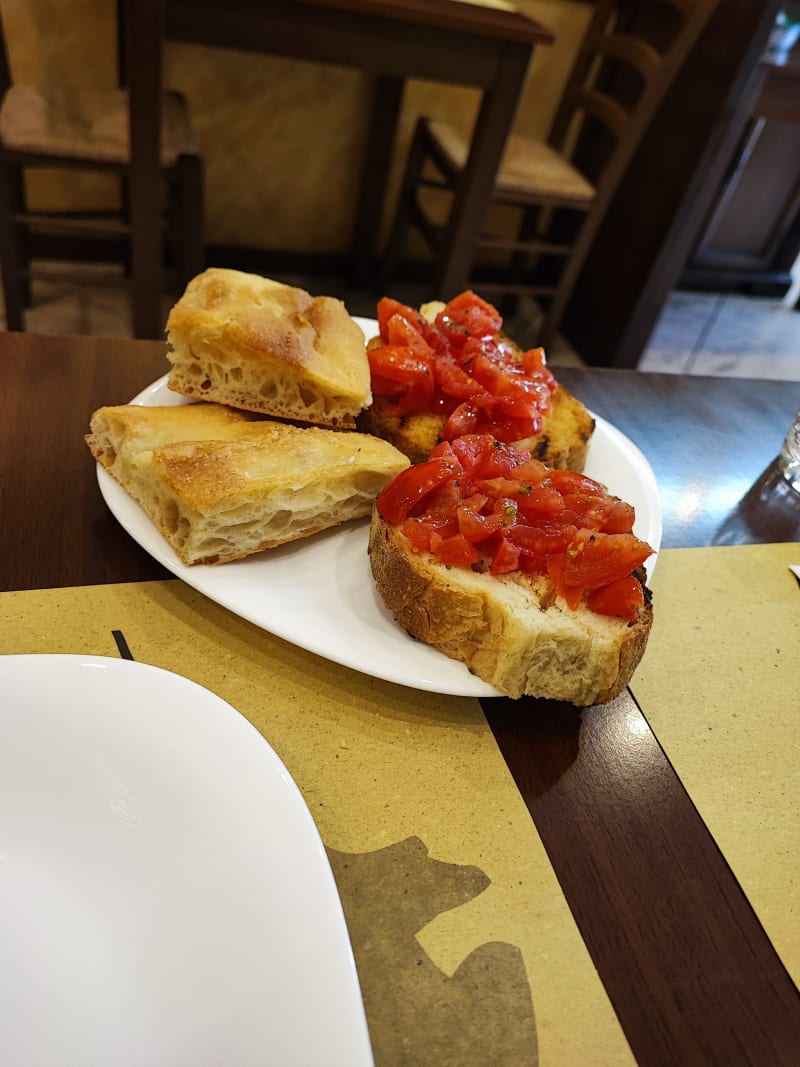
376 45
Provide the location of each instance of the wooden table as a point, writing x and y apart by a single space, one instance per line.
689 970
488 48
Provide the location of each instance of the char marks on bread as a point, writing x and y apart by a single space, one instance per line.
257 344
221 484
563 442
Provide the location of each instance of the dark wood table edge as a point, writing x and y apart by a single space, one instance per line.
718 991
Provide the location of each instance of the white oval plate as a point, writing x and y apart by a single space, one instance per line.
318 593
165 897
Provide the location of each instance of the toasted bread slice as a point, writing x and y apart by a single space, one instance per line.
252 343
563 441
220 485
512 630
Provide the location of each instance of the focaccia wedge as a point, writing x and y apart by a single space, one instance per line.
220 484
257 344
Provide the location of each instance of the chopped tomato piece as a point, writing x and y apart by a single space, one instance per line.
462 421
623 598
497 460
444 450
468 316
573 594
386 308
549 539
620 518
595 559
506 558
539 503
456 550
444 497
406 329
410 487
454 379
402 373
476 527
573 482
533 360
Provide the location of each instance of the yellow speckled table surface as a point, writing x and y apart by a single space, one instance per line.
720 688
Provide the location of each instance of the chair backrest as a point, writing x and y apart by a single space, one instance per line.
5 66
630 54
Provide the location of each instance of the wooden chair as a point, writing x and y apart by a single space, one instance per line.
629 56
87 130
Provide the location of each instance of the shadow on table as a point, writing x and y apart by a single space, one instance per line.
769 512
481 1014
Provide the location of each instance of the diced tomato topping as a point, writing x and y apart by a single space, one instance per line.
457 551
386 308
403 374
475 526
459 366
540 503
506 558
619 518
595 559
623 598
481 504
410 487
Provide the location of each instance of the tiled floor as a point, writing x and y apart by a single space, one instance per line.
698 333
726 335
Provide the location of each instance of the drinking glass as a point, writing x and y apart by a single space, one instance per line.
789 458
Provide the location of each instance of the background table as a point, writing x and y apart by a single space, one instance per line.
438 40
689 969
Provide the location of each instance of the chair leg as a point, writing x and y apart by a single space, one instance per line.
528 230
191 216
15 287
402 219
569 277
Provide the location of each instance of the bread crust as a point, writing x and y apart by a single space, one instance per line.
257 344
512 631
562 443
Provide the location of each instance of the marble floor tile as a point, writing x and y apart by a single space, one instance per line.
777 366
752 338
680 331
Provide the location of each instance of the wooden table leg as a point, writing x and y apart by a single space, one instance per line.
387 102
492 127
145 34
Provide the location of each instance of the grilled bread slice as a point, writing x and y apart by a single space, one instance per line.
562 442
511 630
221 485
252 343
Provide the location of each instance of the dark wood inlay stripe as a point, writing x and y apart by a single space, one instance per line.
688 967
